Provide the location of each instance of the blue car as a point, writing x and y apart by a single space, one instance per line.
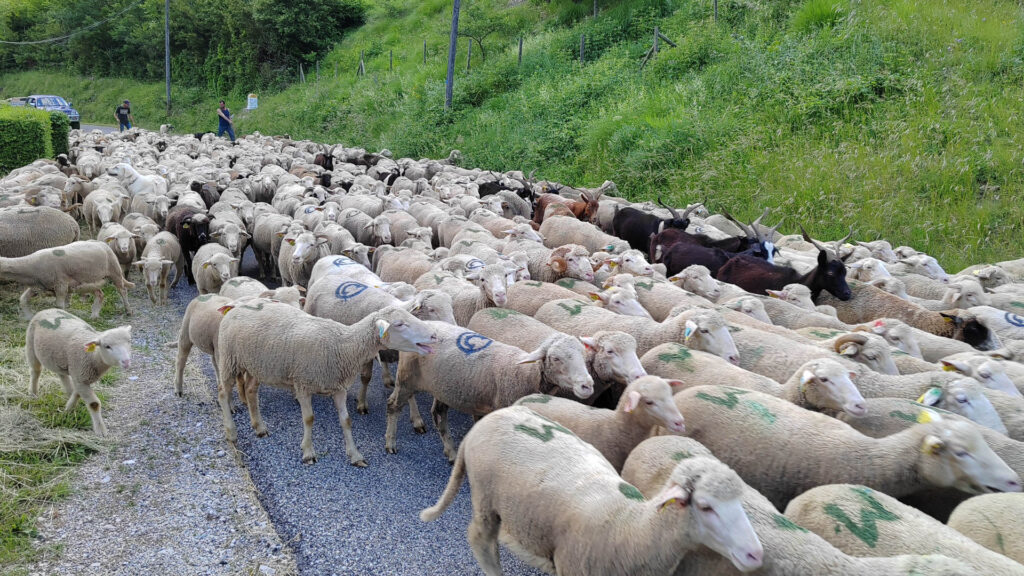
56 103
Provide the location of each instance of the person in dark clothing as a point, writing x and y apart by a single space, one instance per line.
226 123
123 113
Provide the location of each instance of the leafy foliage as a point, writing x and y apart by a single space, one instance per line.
60 126
24 137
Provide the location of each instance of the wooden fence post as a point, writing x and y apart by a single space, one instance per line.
520 51
391 60
595 8
656 34
469 54
424 50
716 10
452 42
302 76
583 41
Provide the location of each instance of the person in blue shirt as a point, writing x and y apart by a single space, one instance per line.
226 123
123 113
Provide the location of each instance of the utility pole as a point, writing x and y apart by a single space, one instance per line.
452 44
167 51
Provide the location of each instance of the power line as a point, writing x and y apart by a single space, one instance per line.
75 33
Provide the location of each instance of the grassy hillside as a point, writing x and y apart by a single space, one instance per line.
898 117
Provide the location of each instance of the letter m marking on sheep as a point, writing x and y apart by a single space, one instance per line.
545 433
730 401
572 310
867 530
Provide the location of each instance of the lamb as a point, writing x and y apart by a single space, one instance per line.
213 265
78 354
611 355
810 449
481 289
702 330
159 255
476 375
26 229
561 533
789 549
993 520
200 327
838 513
261 342
645 404
561 230
121 241
77 267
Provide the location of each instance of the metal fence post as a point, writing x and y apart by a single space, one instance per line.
469 54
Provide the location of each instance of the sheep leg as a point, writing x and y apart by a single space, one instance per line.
308 454
122 290
252 400
385 373
483 540
97 303
93 404
346 427
224 399
414 416
184 347
364 375
69 389
398 397
243 383
26 313
439 412
60 292
151 292
179 269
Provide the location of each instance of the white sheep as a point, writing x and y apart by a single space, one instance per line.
991 372
299 253
996 521
561 230
102 206
78 354
25 229
81 266
212 265
614 530
482 288
158 257
263 341
121 241
476 375
749 305
809 449
838 512
645 404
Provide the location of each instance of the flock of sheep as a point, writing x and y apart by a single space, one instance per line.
656 392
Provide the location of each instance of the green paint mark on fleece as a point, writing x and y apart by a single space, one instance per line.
238 281
58 252
787 524
572 310
257 307
56 323
205 297
730 401
1017 304
501 313
535 399
438 279
763 412
825 335
569 283
903 416
544 434
533 284
754 355
681 358
631 492
648 286
867 530
681 455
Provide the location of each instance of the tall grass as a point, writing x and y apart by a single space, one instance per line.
898 117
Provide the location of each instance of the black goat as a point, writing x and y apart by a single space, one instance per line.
636 226
683 252
756 276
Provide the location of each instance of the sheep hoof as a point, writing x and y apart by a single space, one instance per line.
421 429
361 463
309 459
391 450
362 410
262 433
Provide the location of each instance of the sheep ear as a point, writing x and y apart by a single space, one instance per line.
932 445
558 265
225 309
530 357
91 346
234 260
216 235
850 349
186 226
674 494
774 293
382 329
691 327
931 397
595 296
109 240
369 226
806 377
138 263
588 342
956 366
632 401
736 305
290 241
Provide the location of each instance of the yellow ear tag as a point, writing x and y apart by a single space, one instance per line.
666 503
594 296
225 309
924 417
90 347
612 263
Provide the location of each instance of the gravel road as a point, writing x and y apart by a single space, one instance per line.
342 520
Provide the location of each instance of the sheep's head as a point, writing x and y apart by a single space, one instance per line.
706 330
967 398
868 349
796 294
697 279
709 494
222 264
399 330
121 241
631 262
359 253
421 233
614 356
153 269
571 260
992 276
827 384
523 231
649 399
893 286
113 346
492 279
881 250
564 364
432 305
750 306
621 301
955 455
926 266
985 369
896 333
965 294
306 247
967 327
380 228
230 236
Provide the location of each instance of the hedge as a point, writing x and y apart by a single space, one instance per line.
60 127
25 136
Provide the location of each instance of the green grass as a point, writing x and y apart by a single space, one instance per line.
898 117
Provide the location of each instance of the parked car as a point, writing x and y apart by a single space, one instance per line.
56 103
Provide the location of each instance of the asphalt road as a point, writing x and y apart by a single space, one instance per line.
105 129
343 520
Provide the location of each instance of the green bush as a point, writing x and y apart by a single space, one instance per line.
24 137
818 14
60 126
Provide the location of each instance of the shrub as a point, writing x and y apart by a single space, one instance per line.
60 126
24 137
818 14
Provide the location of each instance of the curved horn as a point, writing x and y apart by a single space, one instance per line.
746 230
776 227
686 213
530 175
811 240
858 338
756 222
670 209
839 243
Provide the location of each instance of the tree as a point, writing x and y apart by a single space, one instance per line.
307 29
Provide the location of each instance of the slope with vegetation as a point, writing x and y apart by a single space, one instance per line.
898 117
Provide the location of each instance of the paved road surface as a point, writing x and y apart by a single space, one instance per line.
105 129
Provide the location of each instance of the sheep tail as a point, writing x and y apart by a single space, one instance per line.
451 490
